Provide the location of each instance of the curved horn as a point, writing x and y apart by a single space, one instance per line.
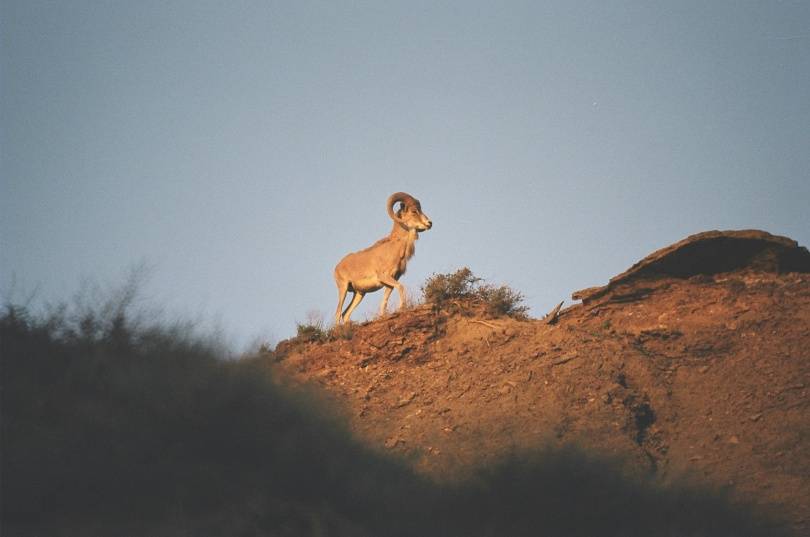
392 199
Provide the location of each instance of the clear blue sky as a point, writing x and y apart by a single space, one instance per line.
242 148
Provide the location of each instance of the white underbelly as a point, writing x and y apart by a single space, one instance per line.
367 285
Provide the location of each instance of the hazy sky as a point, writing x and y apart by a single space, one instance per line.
240 149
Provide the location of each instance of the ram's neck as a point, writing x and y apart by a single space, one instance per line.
407 237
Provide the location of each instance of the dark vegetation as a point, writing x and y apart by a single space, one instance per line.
462 289
109 428
115 426
312 329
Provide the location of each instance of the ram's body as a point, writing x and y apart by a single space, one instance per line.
383 263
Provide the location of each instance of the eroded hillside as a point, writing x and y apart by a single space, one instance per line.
692 365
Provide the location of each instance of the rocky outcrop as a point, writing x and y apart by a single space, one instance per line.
709 253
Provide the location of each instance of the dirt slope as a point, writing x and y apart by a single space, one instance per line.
692 374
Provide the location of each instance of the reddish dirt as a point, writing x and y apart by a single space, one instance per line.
704 378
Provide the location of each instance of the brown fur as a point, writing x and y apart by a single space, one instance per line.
384 262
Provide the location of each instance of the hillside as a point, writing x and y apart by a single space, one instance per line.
672 401
693 366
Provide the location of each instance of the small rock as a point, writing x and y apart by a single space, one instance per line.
756 416
564 359
392 442
733 439
405 400
703 368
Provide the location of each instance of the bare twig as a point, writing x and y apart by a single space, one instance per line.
495 326
554 314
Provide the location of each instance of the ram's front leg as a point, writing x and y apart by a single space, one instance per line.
384 303
390 283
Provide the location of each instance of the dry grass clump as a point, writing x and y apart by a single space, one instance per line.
312 330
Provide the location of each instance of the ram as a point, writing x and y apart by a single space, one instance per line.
384 262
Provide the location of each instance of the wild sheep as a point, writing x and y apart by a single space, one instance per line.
381 264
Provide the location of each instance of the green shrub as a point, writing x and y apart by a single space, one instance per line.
463 287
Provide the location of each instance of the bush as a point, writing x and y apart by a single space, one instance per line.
310 332
462 286
502 301
312 329
440 289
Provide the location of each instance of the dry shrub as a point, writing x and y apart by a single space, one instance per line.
462 287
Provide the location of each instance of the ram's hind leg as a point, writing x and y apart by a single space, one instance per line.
358 296
343 288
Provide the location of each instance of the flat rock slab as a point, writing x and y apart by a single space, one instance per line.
712 252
